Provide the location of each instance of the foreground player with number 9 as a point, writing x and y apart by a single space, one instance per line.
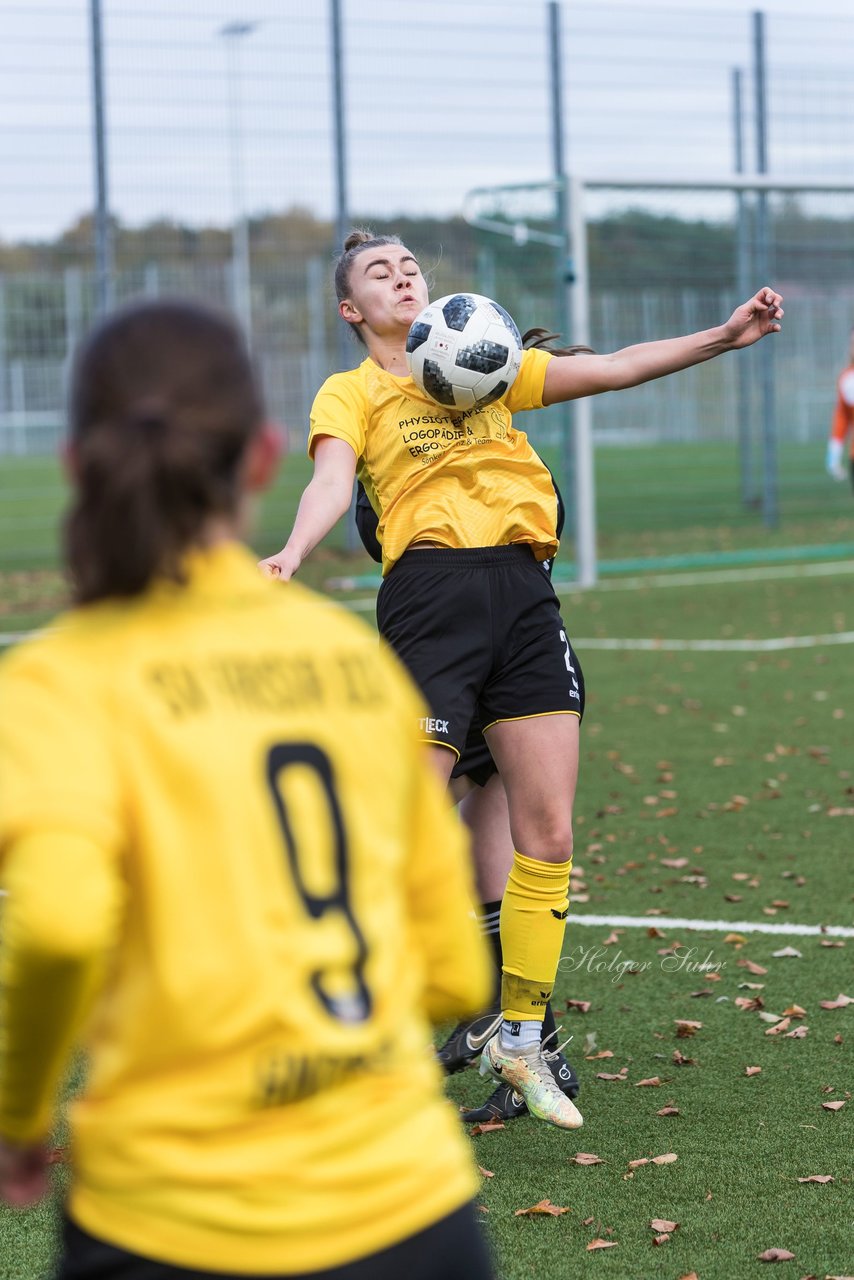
230 871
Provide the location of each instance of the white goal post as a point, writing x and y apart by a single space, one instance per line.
570 194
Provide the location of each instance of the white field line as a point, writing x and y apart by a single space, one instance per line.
715 926
699 578
580 643
703 577
700 926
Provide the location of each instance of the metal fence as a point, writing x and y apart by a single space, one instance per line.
217 150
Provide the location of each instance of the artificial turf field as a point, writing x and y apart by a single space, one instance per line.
717 784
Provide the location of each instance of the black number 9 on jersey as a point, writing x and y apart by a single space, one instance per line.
353 1005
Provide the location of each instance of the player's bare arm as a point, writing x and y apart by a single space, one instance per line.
569 377
324 501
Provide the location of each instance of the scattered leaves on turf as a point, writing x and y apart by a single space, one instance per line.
776 1255
751 967
839 1003
817 1177
749 1003
679 1059
583 1006
544 1207
603 1053
752 1071
607 1075
833 1106
797 1033
652 1082
669 1158
488 1126
663 1224
602 1244
662 1239
585 1157
686 1028
831 942
794 1011
669 1110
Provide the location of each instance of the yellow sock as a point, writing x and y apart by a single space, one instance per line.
533 919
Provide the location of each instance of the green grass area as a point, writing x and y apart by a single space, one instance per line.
713 786
706 777
653 503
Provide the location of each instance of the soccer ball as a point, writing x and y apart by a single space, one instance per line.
464 351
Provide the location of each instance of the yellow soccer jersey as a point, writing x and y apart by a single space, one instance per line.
434 474
222 781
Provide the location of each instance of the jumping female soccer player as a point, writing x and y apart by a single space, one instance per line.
231 872
467 512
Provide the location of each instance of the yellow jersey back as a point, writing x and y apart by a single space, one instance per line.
297 908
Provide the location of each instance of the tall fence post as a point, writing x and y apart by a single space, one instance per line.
770 512
742 277
342 212
585 480
563 273
103 236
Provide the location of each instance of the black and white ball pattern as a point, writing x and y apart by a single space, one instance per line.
464 351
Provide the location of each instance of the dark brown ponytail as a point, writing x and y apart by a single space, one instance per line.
547 342
163 404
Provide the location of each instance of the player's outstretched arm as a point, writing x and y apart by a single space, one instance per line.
325 499
569 377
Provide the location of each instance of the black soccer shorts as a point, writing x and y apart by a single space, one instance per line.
481 633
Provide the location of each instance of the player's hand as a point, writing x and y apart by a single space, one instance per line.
755 318
23 1174
834 462
282 565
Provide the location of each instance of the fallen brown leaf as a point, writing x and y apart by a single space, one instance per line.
612 939
485 1173
619 1075
833 1106
782 1025
662 1239
602 1244
749 1003
543 1206
817 1177
839 1003
794 1011
786 953
488 1126
636 1164
583 1006
775 1255
752 1071
686 1028
679 1059
669 1111
751 967
585 1157
663 1224
798 1033
653 1081
603 1053
670 1158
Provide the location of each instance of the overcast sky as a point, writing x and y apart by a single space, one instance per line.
441 96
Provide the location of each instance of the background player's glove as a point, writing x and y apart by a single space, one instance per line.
835 465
